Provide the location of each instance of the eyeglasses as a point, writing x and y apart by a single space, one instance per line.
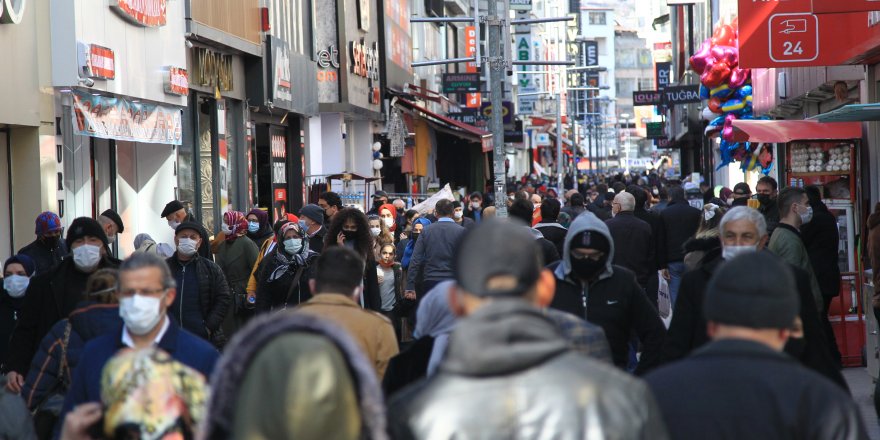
143 292
594 257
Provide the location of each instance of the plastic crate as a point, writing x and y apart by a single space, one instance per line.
850 335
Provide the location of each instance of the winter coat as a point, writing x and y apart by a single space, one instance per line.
236 259
634 245
214 298
50 369
786 242
548 250
874 252
316 242
259 238
10 311
697 248
45 258
687 331
553 232
432 257
508 373
738 389
265 384
273 295
822 241
49 298
681 220
658 232
613 301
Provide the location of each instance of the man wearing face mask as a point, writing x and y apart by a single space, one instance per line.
48 249
202 297
176 214
112 224
744 230
588 285
51 296
17 271
766 193
146 293
312 217
786 242
458 216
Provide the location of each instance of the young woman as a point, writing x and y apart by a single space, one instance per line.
283 275
17 272
380 233
351 229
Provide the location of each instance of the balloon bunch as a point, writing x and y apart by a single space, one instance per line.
727 87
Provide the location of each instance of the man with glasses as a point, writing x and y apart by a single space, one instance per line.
588 285
330 202
146 291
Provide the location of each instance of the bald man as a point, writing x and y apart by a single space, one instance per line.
633 239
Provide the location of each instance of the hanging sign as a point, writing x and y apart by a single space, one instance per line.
843 6
461 82
149 13
655 130
120 119
279 75
100 62
176 81
472 100
662 72
647 97
681 95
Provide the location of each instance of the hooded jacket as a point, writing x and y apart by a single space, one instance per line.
613 301
508 373
264 386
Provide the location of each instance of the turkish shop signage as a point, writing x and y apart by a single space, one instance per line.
124 120
647 97
279 73
148 13
461 82
681 95
100 62
364 62
176 81
655 130
212 69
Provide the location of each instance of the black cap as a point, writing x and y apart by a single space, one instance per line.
380 193
172 207
742 188
496 248
754 290
591 240
82 227
112 215
188 225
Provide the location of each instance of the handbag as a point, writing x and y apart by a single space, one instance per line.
46 412
293 284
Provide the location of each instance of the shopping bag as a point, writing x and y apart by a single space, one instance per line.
664 301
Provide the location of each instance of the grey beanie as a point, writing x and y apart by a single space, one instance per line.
754 290
313 212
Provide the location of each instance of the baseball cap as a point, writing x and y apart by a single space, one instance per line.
742 189
380 194
498 248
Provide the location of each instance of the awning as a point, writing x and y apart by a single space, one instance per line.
786 131
466 130
852 112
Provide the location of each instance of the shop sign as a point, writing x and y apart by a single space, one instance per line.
472 100
461 82
100 62
364 59
279 59
656 130
843 6
176 81
12 11
364 14
647 97
681 95
662 71
149 13
507 111
124 120
278 151
521 5
328 59
212 69
467 116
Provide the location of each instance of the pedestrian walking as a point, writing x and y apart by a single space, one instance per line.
312 218
741 385
394 305
17 272
236 256
550 226
145 243
259 230
658 234
112 224
433 254
681 221
283 276
48 249
521 210
474 208
633 240
705 240
351 230
176 214
786 241
331 204
504 342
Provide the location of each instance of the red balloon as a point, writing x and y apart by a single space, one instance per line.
723 36
728 54
715 76
715 105
703 59
739 77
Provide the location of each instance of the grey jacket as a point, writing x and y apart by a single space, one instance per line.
432 258
786 242
509 374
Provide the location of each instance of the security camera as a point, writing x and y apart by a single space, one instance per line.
88 82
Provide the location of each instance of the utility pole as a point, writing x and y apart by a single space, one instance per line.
497 65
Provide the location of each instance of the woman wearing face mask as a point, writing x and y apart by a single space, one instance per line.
394 306
283 275
380 233
705 245
258 228
418 226
17 271
388 216
351 229
236 256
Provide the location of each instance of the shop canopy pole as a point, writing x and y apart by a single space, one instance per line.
559 166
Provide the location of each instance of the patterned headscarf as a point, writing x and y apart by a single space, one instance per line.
152 396
237 224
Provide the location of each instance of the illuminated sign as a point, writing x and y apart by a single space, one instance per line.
149 13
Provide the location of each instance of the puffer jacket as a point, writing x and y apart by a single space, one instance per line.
508 373
214 297
50 369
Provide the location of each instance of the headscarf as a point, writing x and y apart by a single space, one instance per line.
393 211
141 238
434 318
25 261
262 219
285 263
238 224
411 244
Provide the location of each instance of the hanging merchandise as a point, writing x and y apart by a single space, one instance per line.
397 132
728 90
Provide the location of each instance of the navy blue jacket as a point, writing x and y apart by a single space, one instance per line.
181 345
432 258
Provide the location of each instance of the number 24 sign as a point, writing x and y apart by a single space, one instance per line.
794 37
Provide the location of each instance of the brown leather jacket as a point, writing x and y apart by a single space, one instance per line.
874 252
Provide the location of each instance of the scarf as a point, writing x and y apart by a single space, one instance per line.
285 264
411 244
238 225
386 265
393 212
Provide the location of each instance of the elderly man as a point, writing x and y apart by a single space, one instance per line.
633 240
175 213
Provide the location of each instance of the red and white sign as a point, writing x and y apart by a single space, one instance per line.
149 13
843 6
788 34
177 81
472 100
101 62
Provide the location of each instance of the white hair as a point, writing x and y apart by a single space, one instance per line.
745 213
626 200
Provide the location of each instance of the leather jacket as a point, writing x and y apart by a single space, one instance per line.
508 373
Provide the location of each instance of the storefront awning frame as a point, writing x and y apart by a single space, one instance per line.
784 131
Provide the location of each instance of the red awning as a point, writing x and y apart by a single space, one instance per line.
787 131
470 129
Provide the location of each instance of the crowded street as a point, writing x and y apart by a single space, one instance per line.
396 219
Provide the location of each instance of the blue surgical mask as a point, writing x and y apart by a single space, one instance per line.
293 245
253 226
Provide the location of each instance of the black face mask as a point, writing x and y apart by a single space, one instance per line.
764 199
349 235
587 269
51 242
415 236
795 347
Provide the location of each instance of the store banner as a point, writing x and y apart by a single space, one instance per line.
278 149
844 6
472 100
121 119
279 74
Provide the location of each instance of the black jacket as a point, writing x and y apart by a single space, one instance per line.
614 301
633 246
316 243
737 389
214 297
432 256
687 331
272 295
49 298
553 232
821 238
10 311
658 233
45 258
681 220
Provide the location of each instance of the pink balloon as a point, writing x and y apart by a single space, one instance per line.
703 59
727 131
728 54
739 77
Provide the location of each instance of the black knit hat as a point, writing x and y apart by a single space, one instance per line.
591 240
313 212
172 207
497 248
754 290
82 227
112 215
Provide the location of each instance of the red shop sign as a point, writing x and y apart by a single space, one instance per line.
788 34
843 6
150 13
177 81
102 62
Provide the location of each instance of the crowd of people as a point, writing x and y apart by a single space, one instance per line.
627 308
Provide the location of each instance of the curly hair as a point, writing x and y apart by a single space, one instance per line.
363 240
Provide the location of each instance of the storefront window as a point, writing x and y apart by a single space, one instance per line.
206 165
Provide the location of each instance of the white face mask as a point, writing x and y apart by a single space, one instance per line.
458 214
16 285
293 245
140 313
375 231
173 224
87 257
226 229
476 205
389 221
729 252
807 216
187 246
